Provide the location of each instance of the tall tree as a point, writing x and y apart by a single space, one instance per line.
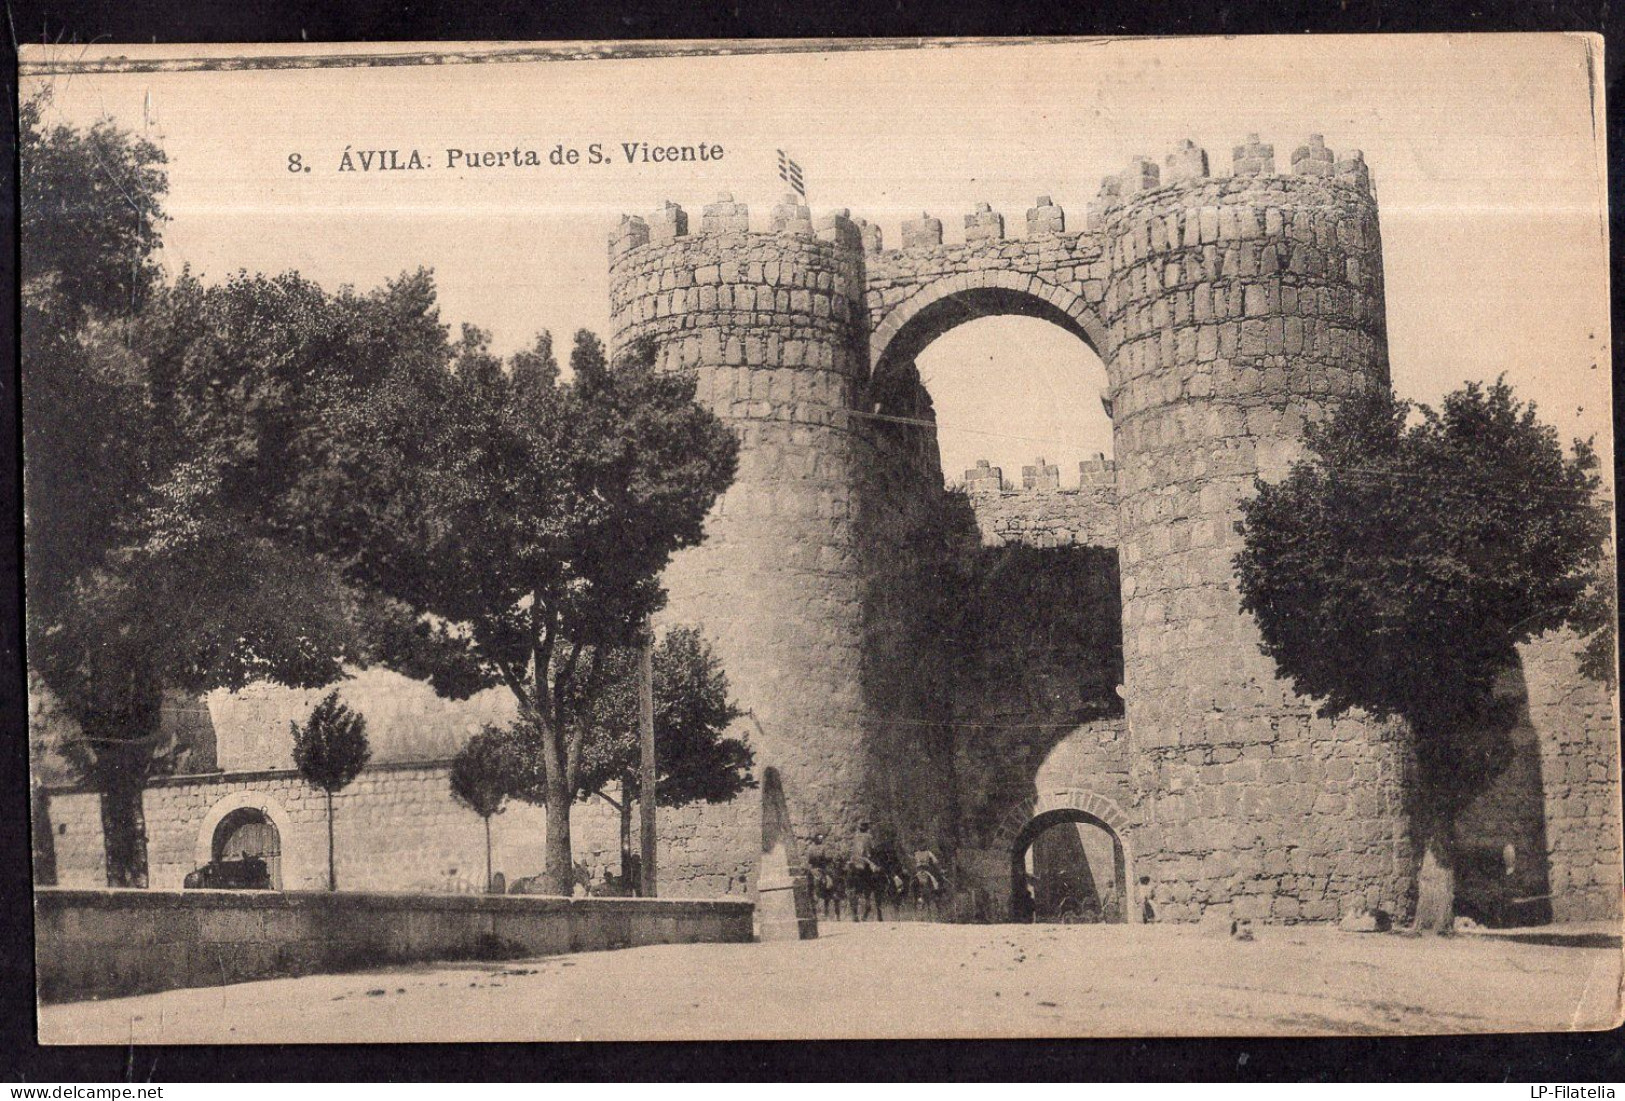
176 438
330 750
1396 568
529 523
92 209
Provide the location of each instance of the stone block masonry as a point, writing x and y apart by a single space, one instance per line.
773 327
397 828
1239 309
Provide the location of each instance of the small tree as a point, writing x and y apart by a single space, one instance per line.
696 759
1396 569
483 774
330 749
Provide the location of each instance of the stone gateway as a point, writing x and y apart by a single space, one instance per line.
966 668
1228 312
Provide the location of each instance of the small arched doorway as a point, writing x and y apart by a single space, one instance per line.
1067 865
248 831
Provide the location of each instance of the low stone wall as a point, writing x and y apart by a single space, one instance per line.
397 829
103 943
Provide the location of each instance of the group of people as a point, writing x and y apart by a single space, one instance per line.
872 874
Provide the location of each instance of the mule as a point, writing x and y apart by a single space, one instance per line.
867 885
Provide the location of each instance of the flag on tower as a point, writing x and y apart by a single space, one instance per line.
790 173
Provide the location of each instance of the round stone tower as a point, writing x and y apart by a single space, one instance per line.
1238 308
772 326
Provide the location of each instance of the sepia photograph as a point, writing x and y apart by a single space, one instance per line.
802 539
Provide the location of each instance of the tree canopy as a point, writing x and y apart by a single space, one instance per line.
92 209
487 771
175 435
695 759
526 520
1395 569
330 747
263 480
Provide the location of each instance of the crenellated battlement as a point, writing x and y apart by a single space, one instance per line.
790 217
1041 477
1186 164
1041 511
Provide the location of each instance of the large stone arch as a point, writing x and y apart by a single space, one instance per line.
945 303
1076 804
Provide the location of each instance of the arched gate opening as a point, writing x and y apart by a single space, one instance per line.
1068 866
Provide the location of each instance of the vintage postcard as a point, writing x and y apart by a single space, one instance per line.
801 539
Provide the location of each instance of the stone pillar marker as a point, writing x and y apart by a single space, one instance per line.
784 906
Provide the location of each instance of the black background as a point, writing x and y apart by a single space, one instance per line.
1574 1058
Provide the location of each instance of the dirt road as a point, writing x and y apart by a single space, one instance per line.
915 980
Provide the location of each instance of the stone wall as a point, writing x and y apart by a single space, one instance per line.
396 828
1543 842
1578 720
1084 516
1036 676
406 720
107 943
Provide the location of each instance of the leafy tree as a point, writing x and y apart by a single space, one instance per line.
193 563
1596 621
529 523
177 438
330 750
92 208
1396 568
483 774
695 759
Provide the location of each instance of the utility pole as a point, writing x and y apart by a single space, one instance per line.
646 772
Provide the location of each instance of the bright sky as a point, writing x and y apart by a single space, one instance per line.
1487 153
